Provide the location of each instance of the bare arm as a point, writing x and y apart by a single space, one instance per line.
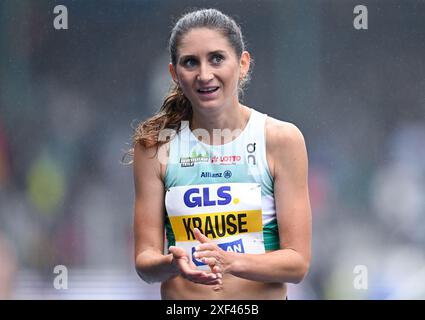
291 262
151 264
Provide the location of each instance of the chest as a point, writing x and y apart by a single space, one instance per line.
219 165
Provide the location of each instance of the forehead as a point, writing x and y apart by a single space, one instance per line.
202 40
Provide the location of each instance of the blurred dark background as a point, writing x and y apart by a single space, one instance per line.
69 99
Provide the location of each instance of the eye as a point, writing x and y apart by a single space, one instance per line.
217 58
189 62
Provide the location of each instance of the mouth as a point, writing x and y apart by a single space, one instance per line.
207 91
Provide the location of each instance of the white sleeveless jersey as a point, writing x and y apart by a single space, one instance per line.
224 190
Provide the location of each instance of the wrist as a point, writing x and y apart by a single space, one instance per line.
173 268
232 264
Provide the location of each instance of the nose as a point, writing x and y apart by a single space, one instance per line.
205 74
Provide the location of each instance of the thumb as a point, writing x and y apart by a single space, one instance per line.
200 237
176 251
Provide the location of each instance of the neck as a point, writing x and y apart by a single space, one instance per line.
219 121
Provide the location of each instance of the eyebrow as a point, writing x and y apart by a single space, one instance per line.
182 58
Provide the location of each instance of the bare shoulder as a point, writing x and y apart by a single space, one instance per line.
284 141
282 134
149 160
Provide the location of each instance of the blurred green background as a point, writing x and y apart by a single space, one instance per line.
68 99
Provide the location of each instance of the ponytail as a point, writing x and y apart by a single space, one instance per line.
175 109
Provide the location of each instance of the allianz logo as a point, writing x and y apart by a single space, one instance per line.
226 174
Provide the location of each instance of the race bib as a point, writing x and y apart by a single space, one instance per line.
229 214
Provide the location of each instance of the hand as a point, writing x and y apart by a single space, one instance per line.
211 254
188 269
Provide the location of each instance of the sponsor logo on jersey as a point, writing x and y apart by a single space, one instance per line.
194 197
197 155
232 159
205 158
226 174
233 246
190 161
251 157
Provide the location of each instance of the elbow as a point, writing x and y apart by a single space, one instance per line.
299 273
143 271
144 276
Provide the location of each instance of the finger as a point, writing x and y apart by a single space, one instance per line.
209 279
209 261
200 237
192 272
177 251
186 269
206 246
216 282
216 270
205 254
171 250
201 276
207 282
189 269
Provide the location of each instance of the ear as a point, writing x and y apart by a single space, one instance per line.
244 64
173 73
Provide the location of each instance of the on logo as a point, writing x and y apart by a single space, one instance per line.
250 148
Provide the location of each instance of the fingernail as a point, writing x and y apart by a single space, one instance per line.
197 248
196 254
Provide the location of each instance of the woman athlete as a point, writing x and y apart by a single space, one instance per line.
227 183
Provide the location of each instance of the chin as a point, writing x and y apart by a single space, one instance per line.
208 105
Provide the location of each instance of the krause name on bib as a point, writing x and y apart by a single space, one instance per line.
229 214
